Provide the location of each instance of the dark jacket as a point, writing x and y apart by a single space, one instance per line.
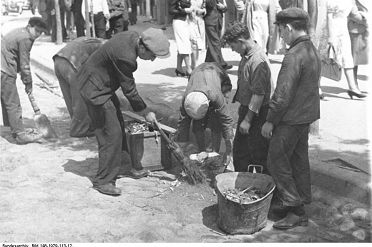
209 81
177 9
109 68
296 96
119 7
79 50
15 54
213 16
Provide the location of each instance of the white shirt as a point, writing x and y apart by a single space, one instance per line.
98 6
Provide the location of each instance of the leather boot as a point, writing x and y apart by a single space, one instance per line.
291 220
108 189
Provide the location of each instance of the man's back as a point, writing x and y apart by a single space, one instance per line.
79 50
15 45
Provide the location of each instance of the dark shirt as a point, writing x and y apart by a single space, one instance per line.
254 77
177 9
109 68
79 50
15 54
209 82
214 15
119 7
296 96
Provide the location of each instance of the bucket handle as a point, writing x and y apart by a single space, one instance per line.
255 168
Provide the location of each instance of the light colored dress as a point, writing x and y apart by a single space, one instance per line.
197 27
339 11
259 16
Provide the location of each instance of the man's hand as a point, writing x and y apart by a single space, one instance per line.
28 88
150 117
200 11
130 10
244 127
267 130
220 6
188 10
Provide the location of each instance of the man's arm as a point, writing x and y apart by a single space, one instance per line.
259 79
127 84
183 126
285 89
24 63
312 9
226 121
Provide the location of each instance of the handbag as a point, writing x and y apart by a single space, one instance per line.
330 68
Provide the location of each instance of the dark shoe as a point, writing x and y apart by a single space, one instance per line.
290 221
279 211
180 73
28 136
227 66
358 95
108 189
136 174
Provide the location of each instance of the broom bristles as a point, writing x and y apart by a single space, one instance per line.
193 172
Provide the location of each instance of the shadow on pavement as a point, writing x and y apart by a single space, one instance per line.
84 168
210 216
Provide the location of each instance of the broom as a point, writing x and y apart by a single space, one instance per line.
41 120
191 169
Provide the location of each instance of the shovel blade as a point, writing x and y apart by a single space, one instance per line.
43 124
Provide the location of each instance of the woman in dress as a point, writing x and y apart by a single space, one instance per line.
259 16
339 38
180 9
359 38
197 29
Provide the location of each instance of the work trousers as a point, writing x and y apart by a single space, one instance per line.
133 14
214 53
250 149
78 18
108 124
10 104
66 75
288 163
100 25
117 24
54 26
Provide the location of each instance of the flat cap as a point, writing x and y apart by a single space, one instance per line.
196 105
39 22
155 40
291 14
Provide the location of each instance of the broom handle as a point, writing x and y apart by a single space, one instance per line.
33 103
162 132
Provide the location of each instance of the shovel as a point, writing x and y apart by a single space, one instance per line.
41 120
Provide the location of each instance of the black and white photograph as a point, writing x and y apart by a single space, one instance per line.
169 122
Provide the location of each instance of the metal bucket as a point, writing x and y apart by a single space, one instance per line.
243 218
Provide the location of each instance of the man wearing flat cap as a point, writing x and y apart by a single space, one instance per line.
15 58
204 105
107 69
292 108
